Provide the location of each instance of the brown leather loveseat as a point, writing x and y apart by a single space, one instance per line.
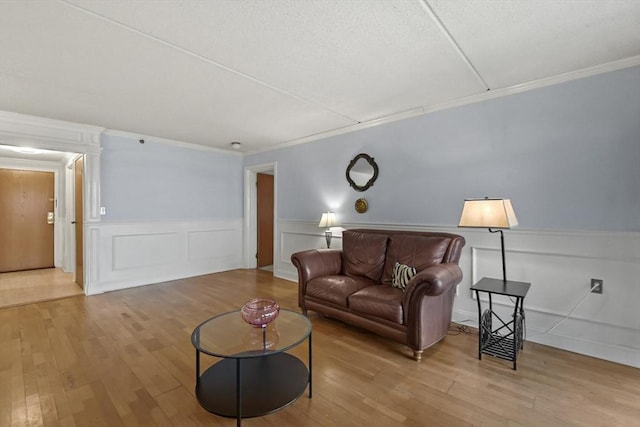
362 284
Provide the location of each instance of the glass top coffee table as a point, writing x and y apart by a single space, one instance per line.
255 376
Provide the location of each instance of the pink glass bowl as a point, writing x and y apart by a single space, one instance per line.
259 312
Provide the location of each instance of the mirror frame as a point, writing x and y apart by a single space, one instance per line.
371 162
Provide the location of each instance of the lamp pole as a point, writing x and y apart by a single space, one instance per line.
504 267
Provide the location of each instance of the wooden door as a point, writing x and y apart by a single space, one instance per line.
265 219
26 234
79 219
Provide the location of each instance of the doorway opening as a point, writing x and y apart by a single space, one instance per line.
264 215
36 249
260 217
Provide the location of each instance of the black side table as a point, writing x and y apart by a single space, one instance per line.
256 375
507 338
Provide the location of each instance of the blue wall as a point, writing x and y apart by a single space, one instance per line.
567 155
157 181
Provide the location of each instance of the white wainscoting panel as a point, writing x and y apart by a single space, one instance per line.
135 254
560 310
146 250
92 254
298 236
207 244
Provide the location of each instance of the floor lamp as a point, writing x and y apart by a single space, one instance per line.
490 213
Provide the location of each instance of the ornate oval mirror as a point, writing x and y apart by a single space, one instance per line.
362 172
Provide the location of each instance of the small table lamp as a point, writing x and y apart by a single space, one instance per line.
489 213
327 221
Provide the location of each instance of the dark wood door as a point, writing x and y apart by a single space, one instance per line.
26 232
265 219
79 219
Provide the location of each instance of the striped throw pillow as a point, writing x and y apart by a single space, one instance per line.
402 275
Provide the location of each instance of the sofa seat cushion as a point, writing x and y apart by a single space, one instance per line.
336 289
418 252
363 254
381 301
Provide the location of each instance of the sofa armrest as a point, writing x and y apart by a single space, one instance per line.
428 304
315 263
432 281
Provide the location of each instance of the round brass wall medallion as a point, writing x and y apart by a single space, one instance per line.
362 205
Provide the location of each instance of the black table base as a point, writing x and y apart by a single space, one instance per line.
505 338
268 383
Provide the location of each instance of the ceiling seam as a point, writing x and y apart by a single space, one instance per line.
427 7
471 99
204 58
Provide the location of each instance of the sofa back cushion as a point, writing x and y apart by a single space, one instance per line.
415 251
363 254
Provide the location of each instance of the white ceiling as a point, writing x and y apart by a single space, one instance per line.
268 72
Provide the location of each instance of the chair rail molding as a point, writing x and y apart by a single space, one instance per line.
142 253
561 312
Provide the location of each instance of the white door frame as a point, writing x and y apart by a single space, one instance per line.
251 213
36 132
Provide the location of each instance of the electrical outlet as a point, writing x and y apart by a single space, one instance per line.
596 286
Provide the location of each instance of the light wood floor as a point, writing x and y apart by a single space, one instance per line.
125 358
24 287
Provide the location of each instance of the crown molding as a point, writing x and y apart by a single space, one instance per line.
176 143
9 116
49 134
472 99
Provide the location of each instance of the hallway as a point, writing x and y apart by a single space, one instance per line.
25 287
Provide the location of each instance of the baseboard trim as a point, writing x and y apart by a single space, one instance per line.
612 352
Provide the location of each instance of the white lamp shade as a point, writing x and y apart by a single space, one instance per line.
488 213
328 220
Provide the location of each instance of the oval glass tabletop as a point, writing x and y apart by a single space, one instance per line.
228 335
